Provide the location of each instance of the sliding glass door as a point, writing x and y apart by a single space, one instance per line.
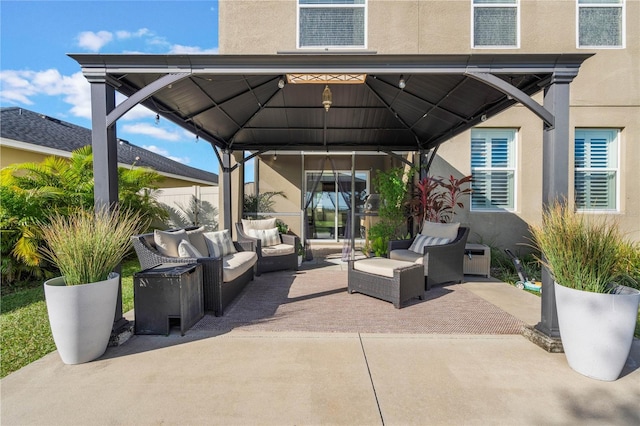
328 213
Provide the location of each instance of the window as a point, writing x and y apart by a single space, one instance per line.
493 169
596 169
495 23
331 23
600 23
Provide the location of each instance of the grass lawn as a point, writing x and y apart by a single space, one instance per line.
25 335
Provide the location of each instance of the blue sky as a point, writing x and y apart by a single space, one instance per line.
37 74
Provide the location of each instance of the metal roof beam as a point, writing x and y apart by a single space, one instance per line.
143 94
512 91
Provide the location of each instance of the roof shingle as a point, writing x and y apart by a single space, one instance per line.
22 125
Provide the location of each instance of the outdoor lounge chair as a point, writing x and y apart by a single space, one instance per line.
275 251
442 263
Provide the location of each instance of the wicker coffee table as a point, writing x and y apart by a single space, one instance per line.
395 281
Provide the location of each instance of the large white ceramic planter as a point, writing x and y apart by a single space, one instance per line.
81 317
597 329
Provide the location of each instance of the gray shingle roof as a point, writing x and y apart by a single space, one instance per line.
27 126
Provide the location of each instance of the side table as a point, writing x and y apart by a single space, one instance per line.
477 260
165 292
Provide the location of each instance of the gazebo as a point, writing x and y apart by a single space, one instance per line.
387 103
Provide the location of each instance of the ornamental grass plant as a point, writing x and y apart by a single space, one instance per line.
87 245
581 252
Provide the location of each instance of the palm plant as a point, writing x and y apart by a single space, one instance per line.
195 213
30 191
260 203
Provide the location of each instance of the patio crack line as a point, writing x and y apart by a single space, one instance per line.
373 386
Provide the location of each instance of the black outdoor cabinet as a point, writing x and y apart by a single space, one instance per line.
165 292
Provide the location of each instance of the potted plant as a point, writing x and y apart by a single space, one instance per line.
391 185
596 314
86 247
301 253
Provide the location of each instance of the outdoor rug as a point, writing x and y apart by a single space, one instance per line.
316 300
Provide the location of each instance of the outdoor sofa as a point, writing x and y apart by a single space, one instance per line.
439 248
225 272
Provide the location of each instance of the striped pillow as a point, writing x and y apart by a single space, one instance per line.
186 249
268 237
421 241
219 243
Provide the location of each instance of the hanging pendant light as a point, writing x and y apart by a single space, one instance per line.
326 98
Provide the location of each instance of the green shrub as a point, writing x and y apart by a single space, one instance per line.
581 252
87 245
30 191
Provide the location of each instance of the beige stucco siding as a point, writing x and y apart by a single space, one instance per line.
606 92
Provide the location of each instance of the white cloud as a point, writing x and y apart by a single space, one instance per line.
165 153
151 130
178 48
94 41
123 35
16 87
23 86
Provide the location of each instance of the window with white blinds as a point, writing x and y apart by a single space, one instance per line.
596 169
493 169
331 23
600 23
496 23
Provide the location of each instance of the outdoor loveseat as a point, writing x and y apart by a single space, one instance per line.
227 266
439 248
275 251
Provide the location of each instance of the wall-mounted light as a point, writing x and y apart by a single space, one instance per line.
327 98
401 82
281 83
157 118
275 155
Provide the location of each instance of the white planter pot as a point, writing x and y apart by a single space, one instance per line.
597 329
299 260
81 317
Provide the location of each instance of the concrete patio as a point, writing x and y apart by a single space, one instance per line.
244 376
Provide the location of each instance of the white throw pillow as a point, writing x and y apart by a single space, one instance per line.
421 241
268 237
258 224
186 249
219 243
167 242
196 238
441 230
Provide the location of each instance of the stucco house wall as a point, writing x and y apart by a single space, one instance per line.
606 92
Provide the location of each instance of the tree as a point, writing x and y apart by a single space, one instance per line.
30 192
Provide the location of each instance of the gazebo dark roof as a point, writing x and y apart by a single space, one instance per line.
235 102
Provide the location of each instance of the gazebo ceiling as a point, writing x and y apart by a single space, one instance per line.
235 101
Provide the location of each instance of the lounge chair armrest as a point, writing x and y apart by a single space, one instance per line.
244 245
399 244
292 240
